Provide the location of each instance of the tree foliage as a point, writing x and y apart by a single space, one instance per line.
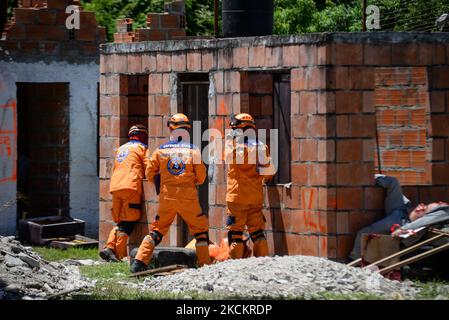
199 13
406 15
108 11
200 17
302 16
293 16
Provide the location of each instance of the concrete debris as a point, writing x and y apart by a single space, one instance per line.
280 277
83 262
25 275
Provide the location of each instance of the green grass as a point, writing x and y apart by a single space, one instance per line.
110 290
113 271
432 289
52 254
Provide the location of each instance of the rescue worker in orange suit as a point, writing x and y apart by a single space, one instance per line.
181 169
126 189
249 167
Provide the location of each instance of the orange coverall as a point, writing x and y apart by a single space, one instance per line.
244 194
126 189
181 169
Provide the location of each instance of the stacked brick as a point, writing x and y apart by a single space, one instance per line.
402 110
171 24
124 31
39 27
335 101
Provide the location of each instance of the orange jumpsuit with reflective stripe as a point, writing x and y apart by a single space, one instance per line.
126 189
181 170
249 167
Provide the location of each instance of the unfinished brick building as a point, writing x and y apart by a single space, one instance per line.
48 114
335 89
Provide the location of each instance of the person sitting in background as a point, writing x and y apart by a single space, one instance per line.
401 216
424 216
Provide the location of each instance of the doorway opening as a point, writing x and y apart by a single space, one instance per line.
136 104
43 149
194 103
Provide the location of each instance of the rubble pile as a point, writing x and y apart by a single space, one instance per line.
25 275
280 277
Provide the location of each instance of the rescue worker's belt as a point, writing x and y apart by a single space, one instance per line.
135 205
237 239
202 236
257 235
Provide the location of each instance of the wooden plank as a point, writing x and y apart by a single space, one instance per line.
163 274
415 258
169 273
354 263
437 231
77 241
405 251
158 270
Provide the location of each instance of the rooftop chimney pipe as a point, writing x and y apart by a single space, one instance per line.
243 18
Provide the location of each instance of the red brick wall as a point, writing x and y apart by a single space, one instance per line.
402 103
38 27
334 103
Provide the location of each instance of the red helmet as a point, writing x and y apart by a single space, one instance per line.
177 121
242 120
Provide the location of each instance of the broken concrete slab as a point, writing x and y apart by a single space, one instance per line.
11 262
33 263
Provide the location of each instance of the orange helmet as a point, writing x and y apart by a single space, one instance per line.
136 129
177 121
241 121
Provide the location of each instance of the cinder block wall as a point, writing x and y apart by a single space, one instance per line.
340 85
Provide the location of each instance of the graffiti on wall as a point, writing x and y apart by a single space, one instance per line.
8 136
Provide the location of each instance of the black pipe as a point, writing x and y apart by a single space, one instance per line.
216 18
247 18
3 15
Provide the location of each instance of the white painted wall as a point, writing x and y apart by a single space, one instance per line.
83 79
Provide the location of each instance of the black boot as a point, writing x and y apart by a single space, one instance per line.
138 266
108 255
